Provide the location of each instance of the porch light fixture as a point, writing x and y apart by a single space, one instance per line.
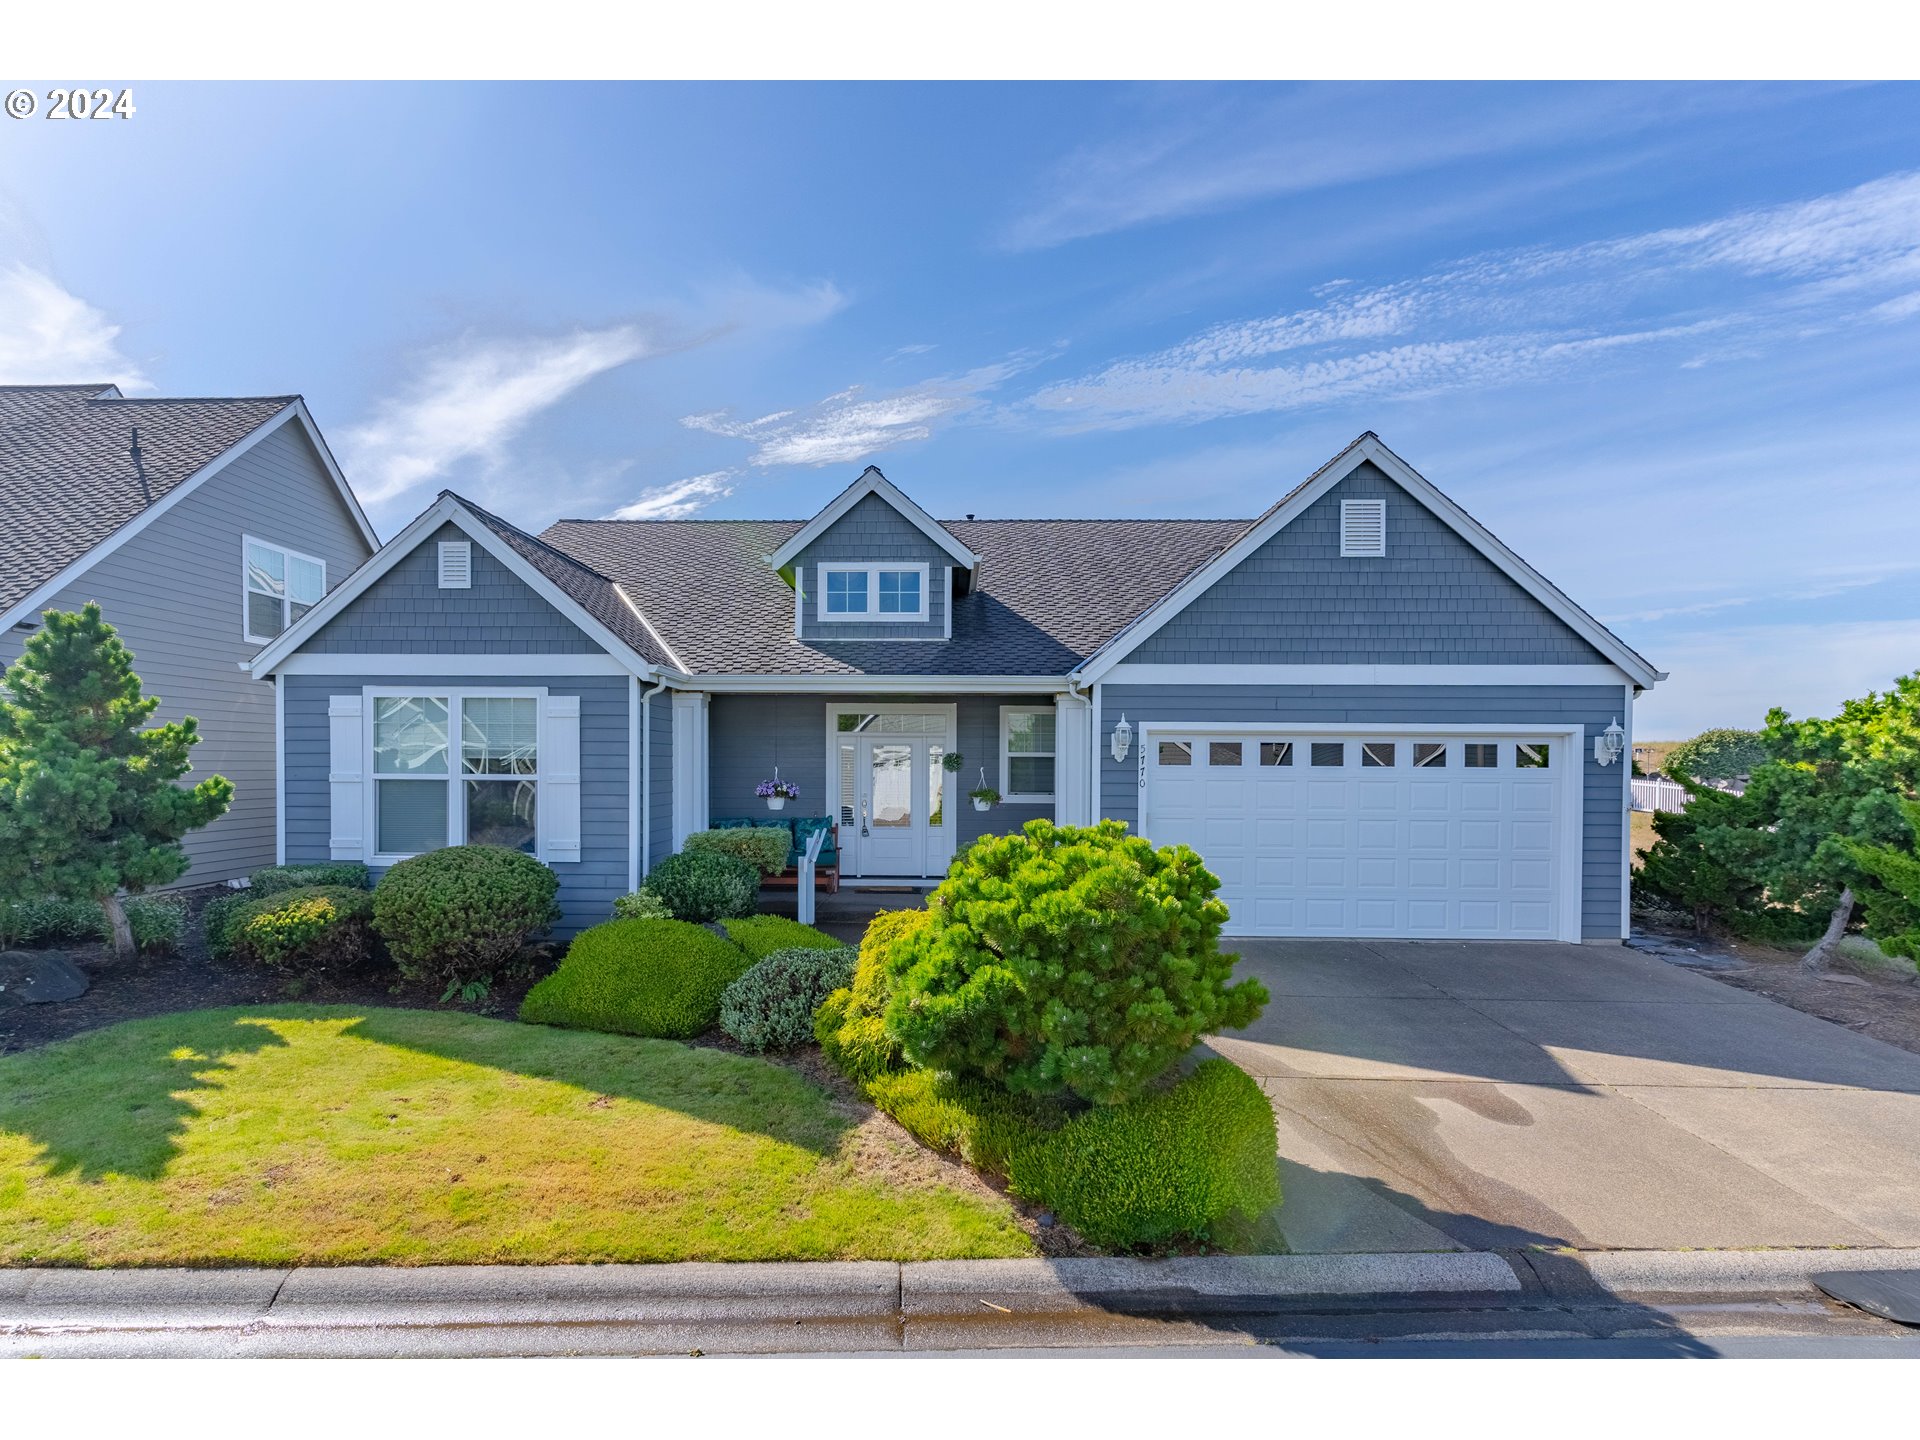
1122 739
1609 744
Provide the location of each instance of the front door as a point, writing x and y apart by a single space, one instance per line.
893 797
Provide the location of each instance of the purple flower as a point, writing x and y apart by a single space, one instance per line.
777 790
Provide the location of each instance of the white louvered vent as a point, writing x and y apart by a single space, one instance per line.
1363 527
456 564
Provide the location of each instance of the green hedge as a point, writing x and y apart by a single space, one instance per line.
701 885
311 928
158 922
771 1006
639 977
1172 1165
761 935
765 847
462 912
275 878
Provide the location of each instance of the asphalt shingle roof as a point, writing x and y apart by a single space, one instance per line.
67 476
1048 594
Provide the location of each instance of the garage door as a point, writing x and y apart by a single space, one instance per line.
1342 834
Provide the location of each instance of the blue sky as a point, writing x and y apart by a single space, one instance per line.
1663 340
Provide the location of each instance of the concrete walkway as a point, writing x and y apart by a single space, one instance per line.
1493 1096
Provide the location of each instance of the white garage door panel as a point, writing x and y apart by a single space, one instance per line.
1385 848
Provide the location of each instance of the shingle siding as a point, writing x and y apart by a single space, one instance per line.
659 803
1432 599
873 532
588 886
175 593
405 612
1593 707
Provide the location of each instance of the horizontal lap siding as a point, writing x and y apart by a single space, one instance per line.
1593 707
873 532
175 594
588 886
1431 599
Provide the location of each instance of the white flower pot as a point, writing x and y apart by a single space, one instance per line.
776 802
983 804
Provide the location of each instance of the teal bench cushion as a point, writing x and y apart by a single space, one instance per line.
799 827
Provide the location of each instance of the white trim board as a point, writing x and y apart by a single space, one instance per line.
830 789
1144 674
31 604
1369 448
403 666
872 482
873 684
447 510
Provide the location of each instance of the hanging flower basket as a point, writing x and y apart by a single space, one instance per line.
984 796
776 792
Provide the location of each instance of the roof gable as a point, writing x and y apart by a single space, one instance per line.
873 484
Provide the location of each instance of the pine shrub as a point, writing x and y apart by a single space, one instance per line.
771 1006
639 977
462 912
702 886
849 1023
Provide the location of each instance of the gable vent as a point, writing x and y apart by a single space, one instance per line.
1363 527
456 564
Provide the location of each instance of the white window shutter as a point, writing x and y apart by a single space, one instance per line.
456 564
346 791
559 803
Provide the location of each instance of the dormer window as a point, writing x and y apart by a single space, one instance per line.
858 591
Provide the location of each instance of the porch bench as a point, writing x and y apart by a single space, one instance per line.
826 870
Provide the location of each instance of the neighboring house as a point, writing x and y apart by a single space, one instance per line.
204 528
1367 714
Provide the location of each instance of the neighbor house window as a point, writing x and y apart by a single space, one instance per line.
426 797
280 586
872 592
1026 753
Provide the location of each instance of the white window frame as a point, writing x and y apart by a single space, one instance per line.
873 570
286 601
454 696
1008 795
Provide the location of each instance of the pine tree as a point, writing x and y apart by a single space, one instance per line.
88 803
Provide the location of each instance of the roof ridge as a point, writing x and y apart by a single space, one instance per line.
185 399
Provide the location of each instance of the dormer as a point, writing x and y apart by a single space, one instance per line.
874 566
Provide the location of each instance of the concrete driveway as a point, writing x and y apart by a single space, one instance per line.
1487 1095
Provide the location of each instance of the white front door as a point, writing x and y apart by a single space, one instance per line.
893 797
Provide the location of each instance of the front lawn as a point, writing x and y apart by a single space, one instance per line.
335 1135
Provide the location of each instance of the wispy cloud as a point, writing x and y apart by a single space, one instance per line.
1503 317
49 336
471 398
678 500
852 424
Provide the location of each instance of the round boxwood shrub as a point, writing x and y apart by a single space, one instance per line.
700 885
312 928
771 1006
1067 959
848 1024
462 912
639 977
641 905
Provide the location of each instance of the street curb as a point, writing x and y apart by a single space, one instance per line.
1720 1272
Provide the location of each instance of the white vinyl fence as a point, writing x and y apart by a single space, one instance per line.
1658 793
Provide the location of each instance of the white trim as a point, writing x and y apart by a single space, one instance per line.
455 696
1148 674
447 510
279 771
873 569
1096 803
1369 448
849 843
463 551
32 603
690 718
1625 763
286 600
1368 513
876 684
1571 740
317 663
1010 796
1072 735
948 635
634 703
872 482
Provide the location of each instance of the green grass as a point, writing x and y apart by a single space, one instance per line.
331 1135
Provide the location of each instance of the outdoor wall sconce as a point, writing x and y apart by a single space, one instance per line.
1609 744
1122 739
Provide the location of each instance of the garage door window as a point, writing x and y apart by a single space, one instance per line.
1377 755
1482 757
1329 753
1430 755
1175 752
1223 752
1276 752
1531 756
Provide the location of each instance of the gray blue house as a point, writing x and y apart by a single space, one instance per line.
1367 714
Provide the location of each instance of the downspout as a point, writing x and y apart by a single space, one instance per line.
646 775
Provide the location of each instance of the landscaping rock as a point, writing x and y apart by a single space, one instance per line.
38 977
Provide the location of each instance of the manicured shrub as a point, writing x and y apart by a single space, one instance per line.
765 847
849 1024
350 873
641 905
314 928
218 918
771 1006
158 922
462 912
639 977
700 885
981 1124
761 935
1167 1166
1067 959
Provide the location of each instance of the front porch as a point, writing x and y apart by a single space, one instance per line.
846 915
